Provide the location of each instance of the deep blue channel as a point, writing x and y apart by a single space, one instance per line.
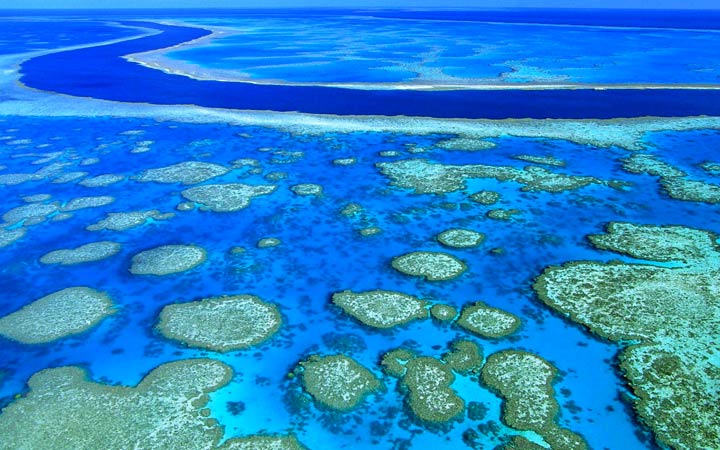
101 72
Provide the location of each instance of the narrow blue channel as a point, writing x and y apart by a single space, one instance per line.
101 72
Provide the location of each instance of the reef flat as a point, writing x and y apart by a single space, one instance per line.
7 237
164 411
101 180
459 238
122 221
221 324
524 380
94 251
381 309
488 322
87 202
225 197
425 177
189 172
337 381
674 182
433 266
429 394
167 260
668 315
58 315
427 381
307 189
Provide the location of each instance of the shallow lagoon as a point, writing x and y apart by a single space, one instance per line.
472 51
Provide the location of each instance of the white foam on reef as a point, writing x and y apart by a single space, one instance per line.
625 133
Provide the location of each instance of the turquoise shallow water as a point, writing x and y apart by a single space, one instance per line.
364 49
25 34
322 253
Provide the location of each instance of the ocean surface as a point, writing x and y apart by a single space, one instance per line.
83 110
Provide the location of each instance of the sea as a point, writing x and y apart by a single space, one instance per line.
119 92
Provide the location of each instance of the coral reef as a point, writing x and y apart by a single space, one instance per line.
221 324
669 315
94 251
524 381
337 381
488 322
188 172
167 259
433 266
381 309
225 197
58 315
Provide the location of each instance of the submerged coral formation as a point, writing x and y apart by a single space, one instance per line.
344 161
521 443
640 163
57 315
69 177
394 361
87 202
485 197
502 214
657 243
268 242
307 189
443 313
94 251
488 322
351 209
369 231
427 381
430 396
467 144
460 238
464 357
712 168
165 411
691 190
381 309
670 314
221 324
226 197
674 182
101 180
125 220
188 172
29 212
426 177
36 198
261 442
524 381
545 160
337 381
167 259
7 237
434 266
